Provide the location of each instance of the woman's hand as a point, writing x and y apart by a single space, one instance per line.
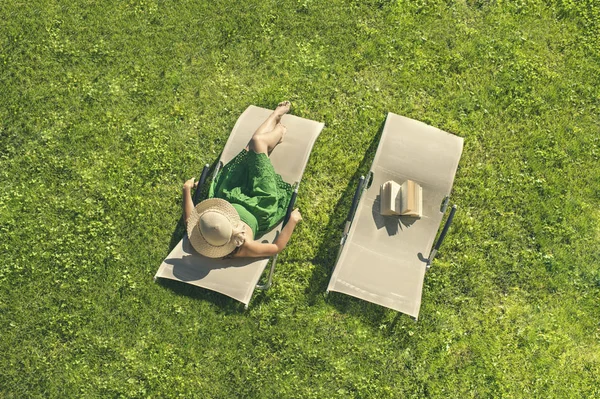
188 204
188 185
256 249
295 216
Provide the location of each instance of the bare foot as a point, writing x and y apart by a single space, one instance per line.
282 108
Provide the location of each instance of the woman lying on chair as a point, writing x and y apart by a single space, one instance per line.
246 200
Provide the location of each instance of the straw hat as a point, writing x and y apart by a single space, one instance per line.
212 226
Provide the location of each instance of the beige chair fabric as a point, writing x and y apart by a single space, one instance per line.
384 258
238 277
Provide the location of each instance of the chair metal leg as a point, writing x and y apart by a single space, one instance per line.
437 245
270 279
203 176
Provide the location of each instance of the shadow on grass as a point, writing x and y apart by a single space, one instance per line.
328 251
226 304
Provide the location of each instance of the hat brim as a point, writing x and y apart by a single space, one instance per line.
195 236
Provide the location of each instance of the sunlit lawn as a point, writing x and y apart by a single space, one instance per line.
107 107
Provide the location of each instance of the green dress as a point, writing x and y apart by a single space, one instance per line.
255 190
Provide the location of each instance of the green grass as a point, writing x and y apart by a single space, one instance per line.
107 107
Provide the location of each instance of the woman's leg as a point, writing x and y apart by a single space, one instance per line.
273 119
265 142
271 132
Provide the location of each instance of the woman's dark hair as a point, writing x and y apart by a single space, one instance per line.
232 253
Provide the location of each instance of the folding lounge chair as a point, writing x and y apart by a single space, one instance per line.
383 259
238 277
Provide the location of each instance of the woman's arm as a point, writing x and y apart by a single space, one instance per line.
188 204
255 249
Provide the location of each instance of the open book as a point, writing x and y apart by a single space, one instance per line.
404 200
